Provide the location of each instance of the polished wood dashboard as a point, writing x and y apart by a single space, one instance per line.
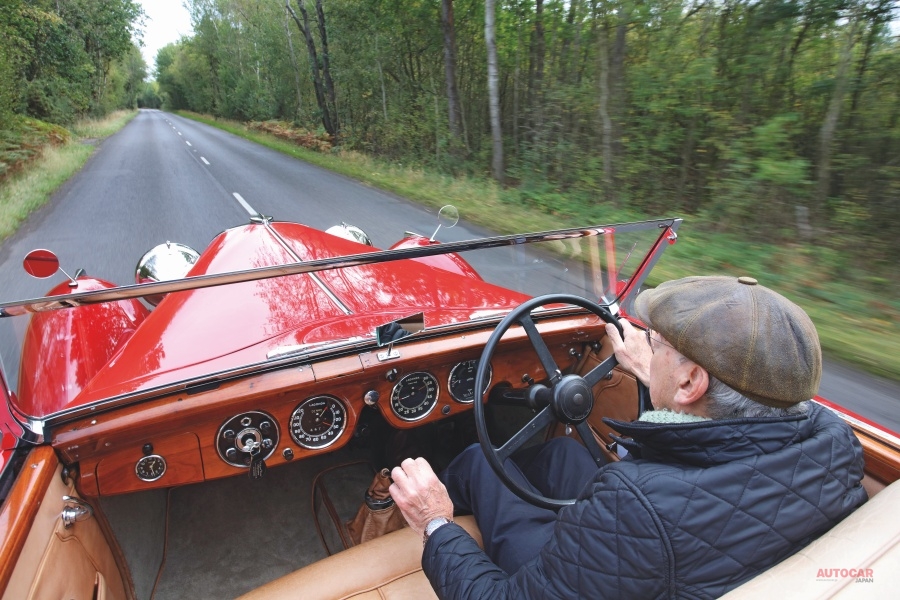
183 429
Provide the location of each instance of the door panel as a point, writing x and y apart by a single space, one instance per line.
53 562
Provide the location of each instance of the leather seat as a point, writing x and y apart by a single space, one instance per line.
386 568
858 558
867 542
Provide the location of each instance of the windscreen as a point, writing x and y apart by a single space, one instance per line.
335 295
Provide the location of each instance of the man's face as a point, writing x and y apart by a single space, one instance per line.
663 363
670 374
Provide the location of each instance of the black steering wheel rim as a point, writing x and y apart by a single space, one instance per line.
571 397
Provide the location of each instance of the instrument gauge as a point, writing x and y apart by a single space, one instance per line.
462 381
415 396
150 468
318 422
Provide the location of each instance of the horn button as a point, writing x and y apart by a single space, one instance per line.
572 399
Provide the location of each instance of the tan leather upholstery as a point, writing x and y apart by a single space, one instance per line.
64 563
389 567
386 568
869 539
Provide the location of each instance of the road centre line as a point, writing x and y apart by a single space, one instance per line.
179 133
187 142
246 206
205 162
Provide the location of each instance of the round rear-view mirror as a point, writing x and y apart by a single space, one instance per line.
41 263
448 216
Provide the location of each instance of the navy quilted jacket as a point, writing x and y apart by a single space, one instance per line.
702 508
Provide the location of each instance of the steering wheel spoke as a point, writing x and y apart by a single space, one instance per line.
601 371
540 347
590 442
541 420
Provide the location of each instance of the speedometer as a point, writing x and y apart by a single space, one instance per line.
415 396
318 422
462 381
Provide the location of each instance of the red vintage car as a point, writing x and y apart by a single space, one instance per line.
209 431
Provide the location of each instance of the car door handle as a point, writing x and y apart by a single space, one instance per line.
75 509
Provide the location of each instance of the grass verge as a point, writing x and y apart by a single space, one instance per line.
858 321
52 164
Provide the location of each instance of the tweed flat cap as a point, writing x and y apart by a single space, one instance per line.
753 339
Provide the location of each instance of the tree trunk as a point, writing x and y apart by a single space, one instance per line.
829 125
453 109
314 65
605 119
326 69
294 65
493 90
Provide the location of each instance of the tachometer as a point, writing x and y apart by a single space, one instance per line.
415 396
318 422
462 381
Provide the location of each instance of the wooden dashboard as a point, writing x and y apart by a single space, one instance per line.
187 431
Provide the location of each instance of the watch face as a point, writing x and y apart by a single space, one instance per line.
434 524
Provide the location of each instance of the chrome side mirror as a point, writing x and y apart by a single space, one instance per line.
165 262
448 217
41 263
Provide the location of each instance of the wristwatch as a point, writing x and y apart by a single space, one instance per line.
433 526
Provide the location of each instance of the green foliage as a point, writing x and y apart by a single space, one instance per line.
68 59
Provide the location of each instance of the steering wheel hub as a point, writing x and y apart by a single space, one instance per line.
572 400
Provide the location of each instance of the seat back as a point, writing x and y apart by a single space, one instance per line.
859 557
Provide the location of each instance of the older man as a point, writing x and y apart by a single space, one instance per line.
732 472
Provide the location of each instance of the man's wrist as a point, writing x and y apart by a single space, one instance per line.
433 525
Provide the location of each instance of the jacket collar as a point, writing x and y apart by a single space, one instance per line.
707 443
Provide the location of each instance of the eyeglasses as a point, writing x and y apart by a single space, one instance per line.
656 339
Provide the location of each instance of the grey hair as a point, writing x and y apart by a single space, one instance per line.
726 403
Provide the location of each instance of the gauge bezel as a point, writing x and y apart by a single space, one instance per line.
460 364
339 434
238 423
399 385
165 467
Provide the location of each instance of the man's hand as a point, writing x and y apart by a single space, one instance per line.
419 493
634 352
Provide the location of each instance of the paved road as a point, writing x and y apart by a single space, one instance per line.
164 177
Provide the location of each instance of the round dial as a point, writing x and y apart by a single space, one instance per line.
462 381
317 422
414 396
150 468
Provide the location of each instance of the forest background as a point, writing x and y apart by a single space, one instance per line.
773 126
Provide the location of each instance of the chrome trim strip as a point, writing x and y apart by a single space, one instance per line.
315 278
875 432
125 292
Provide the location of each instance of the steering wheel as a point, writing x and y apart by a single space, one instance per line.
568 399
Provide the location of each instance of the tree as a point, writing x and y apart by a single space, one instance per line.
494 91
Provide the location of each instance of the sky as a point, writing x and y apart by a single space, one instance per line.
166 22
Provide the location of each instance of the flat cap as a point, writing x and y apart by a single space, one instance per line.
753 339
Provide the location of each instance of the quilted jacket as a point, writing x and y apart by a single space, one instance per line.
701 508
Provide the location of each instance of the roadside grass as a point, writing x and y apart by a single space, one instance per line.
857 315
51 164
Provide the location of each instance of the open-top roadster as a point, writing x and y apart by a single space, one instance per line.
211 429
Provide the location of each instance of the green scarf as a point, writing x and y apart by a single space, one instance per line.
664 415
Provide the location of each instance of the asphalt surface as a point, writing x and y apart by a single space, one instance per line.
164 177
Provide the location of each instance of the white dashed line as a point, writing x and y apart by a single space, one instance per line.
179 133
187 142
205 162
246 206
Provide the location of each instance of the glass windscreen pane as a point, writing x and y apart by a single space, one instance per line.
593 263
